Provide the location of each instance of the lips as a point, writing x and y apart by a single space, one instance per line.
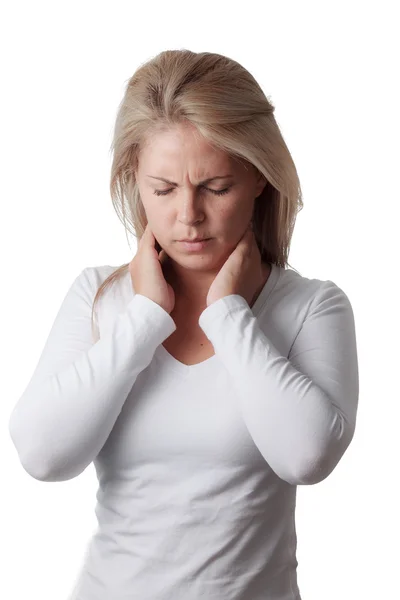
194 240
195 246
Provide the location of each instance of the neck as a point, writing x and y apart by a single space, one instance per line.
190 287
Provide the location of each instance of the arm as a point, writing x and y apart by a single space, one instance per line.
78 389
301 410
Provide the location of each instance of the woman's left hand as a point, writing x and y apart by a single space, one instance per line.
241 273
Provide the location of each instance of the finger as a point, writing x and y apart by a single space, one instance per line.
254 245
147 232
247 236
143 236
245 245
163 257
148 237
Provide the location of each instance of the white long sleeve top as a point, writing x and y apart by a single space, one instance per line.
197 465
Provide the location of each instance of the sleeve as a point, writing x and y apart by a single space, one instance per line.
301 410
78 388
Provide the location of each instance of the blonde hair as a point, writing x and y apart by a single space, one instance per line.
228 107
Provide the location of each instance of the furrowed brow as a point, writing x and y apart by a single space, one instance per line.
201 182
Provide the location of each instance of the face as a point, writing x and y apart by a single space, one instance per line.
188 206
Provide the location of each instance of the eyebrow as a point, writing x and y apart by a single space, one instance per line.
201 182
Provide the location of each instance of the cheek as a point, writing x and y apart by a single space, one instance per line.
159 221
234 215
153 209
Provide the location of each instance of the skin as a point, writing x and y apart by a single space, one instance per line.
191 209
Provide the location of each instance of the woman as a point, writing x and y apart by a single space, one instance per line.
217 379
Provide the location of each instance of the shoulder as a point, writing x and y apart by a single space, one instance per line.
93 277
114 298
96 275
296 298
300 288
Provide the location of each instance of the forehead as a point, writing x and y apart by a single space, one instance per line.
183 144
168 151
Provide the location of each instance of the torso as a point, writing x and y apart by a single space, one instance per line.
188 343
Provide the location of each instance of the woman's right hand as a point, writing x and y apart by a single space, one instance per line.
147 274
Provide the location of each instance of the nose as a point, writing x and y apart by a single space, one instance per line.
190 207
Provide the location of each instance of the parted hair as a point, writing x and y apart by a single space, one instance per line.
228 107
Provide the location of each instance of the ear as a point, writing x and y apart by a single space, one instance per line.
260 184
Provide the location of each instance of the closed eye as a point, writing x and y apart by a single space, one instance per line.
216 192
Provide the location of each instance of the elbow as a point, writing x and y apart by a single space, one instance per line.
322 458
31 463
23 442
42 470
35 470
314 471
36 459
320 464
309 472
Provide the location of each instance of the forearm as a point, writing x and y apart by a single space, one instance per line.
60 424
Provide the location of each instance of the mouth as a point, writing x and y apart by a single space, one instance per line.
191 240
194 245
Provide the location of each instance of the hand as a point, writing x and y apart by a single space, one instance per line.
147 274
241 273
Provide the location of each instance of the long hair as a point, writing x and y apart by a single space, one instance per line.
228 107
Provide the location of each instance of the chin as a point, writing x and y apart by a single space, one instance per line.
201 261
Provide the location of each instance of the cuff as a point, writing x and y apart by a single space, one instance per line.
158 323
221 309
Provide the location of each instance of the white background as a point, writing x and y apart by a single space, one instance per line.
331 72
